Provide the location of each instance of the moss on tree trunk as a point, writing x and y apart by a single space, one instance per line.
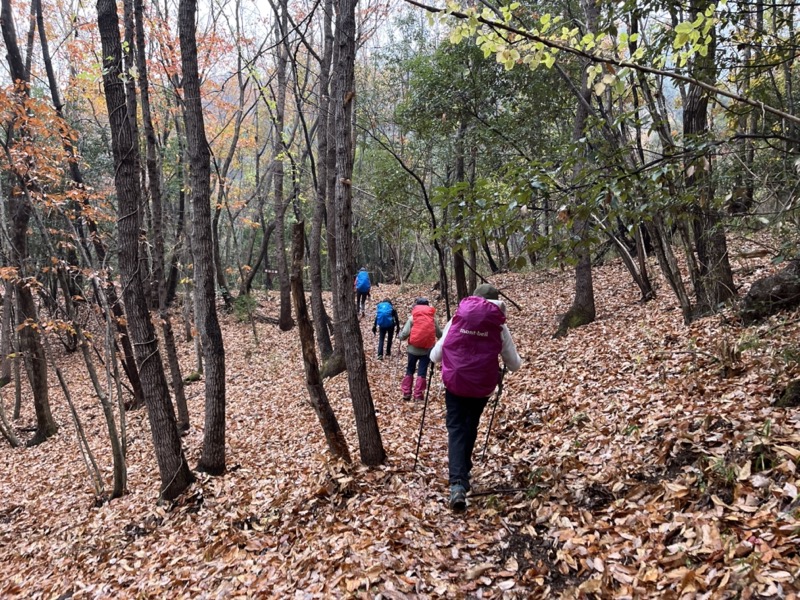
574 317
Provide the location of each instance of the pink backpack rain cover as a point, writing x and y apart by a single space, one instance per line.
470 350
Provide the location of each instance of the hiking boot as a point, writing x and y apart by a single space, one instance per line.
380 356
458 498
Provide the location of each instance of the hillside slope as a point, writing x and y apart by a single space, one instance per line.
636 457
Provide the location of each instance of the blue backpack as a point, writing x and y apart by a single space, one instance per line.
362 282
384 315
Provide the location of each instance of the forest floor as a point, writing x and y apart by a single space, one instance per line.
650 459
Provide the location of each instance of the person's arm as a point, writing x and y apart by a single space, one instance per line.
509 353
438 330
436 352
406 330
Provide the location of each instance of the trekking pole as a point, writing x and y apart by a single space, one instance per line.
422 420
494 409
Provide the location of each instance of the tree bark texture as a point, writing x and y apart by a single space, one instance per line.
128 361
154 184
321 317
337 443
335 363
281 30
173 468
714 284
212 459
20 210
582 310
459 274
369 436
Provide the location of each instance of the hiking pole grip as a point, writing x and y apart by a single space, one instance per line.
494 410
422 420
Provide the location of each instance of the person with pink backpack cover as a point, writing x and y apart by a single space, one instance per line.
468 351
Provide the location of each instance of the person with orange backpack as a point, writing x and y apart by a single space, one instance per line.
421 330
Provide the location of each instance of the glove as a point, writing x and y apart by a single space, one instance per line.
374 330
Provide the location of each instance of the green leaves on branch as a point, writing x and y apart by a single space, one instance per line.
538 45
694 37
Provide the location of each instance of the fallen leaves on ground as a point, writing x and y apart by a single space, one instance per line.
636 457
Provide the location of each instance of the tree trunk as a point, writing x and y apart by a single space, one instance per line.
335 363
321 318
337 443
173 468
20 210
6 335
582 310
172 282
281 30
459 273
369 436
715 279
154 181
212 459
218 268
128 361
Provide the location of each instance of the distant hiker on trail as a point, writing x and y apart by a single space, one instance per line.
387 320
362 285
421 330
468 352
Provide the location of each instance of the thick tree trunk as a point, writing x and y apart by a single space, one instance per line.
714 281
212 459
173 468
369 436
337 443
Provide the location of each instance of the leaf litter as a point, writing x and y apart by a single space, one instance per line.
636 457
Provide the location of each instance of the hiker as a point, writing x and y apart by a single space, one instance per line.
387 320
421 330
362 286
468 352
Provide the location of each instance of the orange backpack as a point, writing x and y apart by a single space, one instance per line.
423 330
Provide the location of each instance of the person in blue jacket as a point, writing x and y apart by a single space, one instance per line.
362 285
388 322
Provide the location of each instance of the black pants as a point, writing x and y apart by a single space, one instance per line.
388 333
463 416
361 300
